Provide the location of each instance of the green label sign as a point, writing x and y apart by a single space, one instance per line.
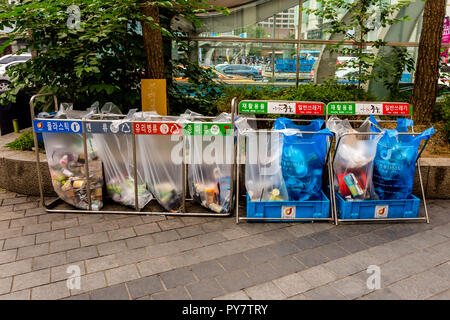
341 108
208 129
253 107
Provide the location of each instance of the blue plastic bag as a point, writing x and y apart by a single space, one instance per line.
303 158
394 163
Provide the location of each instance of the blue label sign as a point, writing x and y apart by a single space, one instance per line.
58 126
109 127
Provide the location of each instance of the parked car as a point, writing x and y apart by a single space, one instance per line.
5 63
241 70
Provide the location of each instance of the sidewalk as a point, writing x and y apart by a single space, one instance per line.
158 257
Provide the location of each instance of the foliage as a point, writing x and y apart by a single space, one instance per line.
307 92
442 113
24 142
99 58
392 68
366 16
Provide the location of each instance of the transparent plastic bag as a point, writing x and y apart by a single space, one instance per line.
303 158
210 167
159 158
263 176
66 160
116 153
395 163
353 164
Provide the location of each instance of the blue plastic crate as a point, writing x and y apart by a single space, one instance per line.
378 209
315 209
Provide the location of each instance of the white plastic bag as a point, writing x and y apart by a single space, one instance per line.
210 164
353 164
116 153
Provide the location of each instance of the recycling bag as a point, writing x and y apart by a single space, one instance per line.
159 156
395 163
116 153
353 163
303 158
66 160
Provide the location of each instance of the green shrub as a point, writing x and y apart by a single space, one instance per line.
442 113
24 143
306 92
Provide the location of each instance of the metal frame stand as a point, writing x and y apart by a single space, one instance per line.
235 112
375 108
50 208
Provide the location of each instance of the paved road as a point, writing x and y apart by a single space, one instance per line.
157 257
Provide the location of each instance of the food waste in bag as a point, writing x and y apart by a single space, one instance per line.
353 164
67 170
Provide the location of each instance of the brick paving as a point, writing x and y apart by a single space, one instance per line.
159 257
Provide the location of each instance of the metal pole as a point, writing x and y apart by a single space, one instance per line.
273 49
136 196
299 38
86 167
183 175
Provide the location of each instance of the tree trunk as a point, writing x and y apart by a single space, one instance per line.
427 73
153 44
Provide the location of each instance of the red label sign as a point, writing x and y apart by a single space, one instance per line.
157 128
309 108
396 109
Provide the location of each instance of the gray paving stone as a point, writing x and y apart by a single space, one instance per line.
234 233
292 284
442 296
147 228
324 293
381 294
31 279
5 285
234 281
63 245
130 221
140 241
352 245
177 277
120 234
311 258
32 251
80 231
287 265
63 224
347 231
206 289
93 239
304 243
111 247
371 239
284 248
122 274
388 234
154 266
420 286
23 222
178 293
36 228
262 273
162 249
351 287
207 269
19 295
279 235
170 224
132 256
14 268
332 251
101 263
184 259
50 236
166 236
239 295
259 255
318 276
84 296
234 262
82 254
144 286
11 233
105 226
90 282
265 291
19 242
8 256
52 291
117 292
50 260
